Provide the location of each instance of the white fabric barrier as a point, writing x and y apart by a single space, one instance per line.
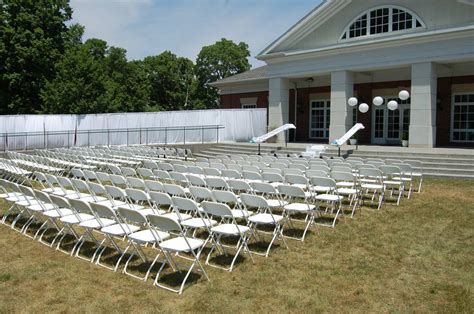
91 129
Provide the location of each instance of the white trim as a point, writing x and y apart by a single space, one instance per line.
451 131
384 42
415 17
308 23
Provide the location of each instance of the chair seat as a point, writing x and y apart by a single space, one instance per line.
112 204
230 229
329 197
372 186
175 216
392 182
120 229
26 203
12 194
61 192
265 219
276 203
402 178
150 211
40 208
346 191
417 174
320 189
237 213
198 223
75 219
96 224
57 213
345 184
148 236
301 186
181 244
131 206
51 190
299 207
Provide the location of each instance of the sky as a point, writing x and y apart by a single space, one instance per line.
149 27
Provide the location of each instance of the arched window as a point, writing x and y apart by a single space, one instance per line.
381 20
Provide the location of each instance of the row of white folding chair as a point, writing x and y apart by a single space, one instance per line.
137 229
33 162
11 172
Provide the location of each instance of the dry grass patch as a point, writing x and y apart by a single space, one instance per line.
415 257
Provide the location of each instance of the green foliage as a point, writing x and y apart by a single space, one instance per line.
217 61
46 68
32 40
171 80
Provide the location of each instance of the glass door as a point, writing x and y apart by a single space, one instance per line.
319 119
388 126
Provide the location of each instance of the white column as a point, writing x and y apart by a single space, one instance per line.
423 105
278 104
342 87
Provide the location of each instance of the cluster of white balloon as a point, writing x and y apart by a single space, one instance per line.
378 101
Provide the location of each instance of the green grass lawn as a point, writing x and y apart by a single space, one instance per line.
415 257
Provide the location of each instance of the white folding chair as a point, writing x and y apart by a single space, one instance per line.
330 198
229 229
264 216
177 245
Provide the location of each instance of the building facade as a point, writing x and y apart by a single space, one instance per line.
368 48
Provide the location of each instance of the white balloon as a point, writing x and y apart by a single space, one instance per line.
404 95
392 105
377 101
363 107
352 101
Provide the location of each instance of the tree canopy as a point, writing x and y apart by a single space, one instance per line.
45 67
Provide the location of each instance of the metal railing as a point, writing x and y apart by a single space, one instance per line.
123 136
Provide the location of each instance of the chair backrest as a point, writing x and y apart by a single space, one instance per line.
321 167
161 174
392 161
195 180
132 215
390 170
405 168
415 164
165 166
160 198
118 180
216 183
263 188
153 185
102 211
164 223
250 168
225 196
97 188
103 177
272 170
272 177
80 206
77 173
44 197
115 192
251 200
80 184
65 183
185 204
293 171
216 209
181 168
178 177
114 169
296 179
323 182
137 195
250 175
230 173
298 166
371 172
315 173
195 170
145 172
60 201
201 193
342 176
89 175
278 165
217 165
234 166
291 191
150 164
211 171
174 190
239 185
341 168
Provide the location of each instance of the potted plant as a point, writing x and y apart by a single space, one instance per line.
353 140
405 139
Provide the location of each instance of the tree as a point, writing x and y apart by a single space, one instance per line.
171 79
32 40
222 59
93 78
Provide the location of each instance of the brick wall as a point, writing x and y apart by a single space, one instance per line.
364 94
